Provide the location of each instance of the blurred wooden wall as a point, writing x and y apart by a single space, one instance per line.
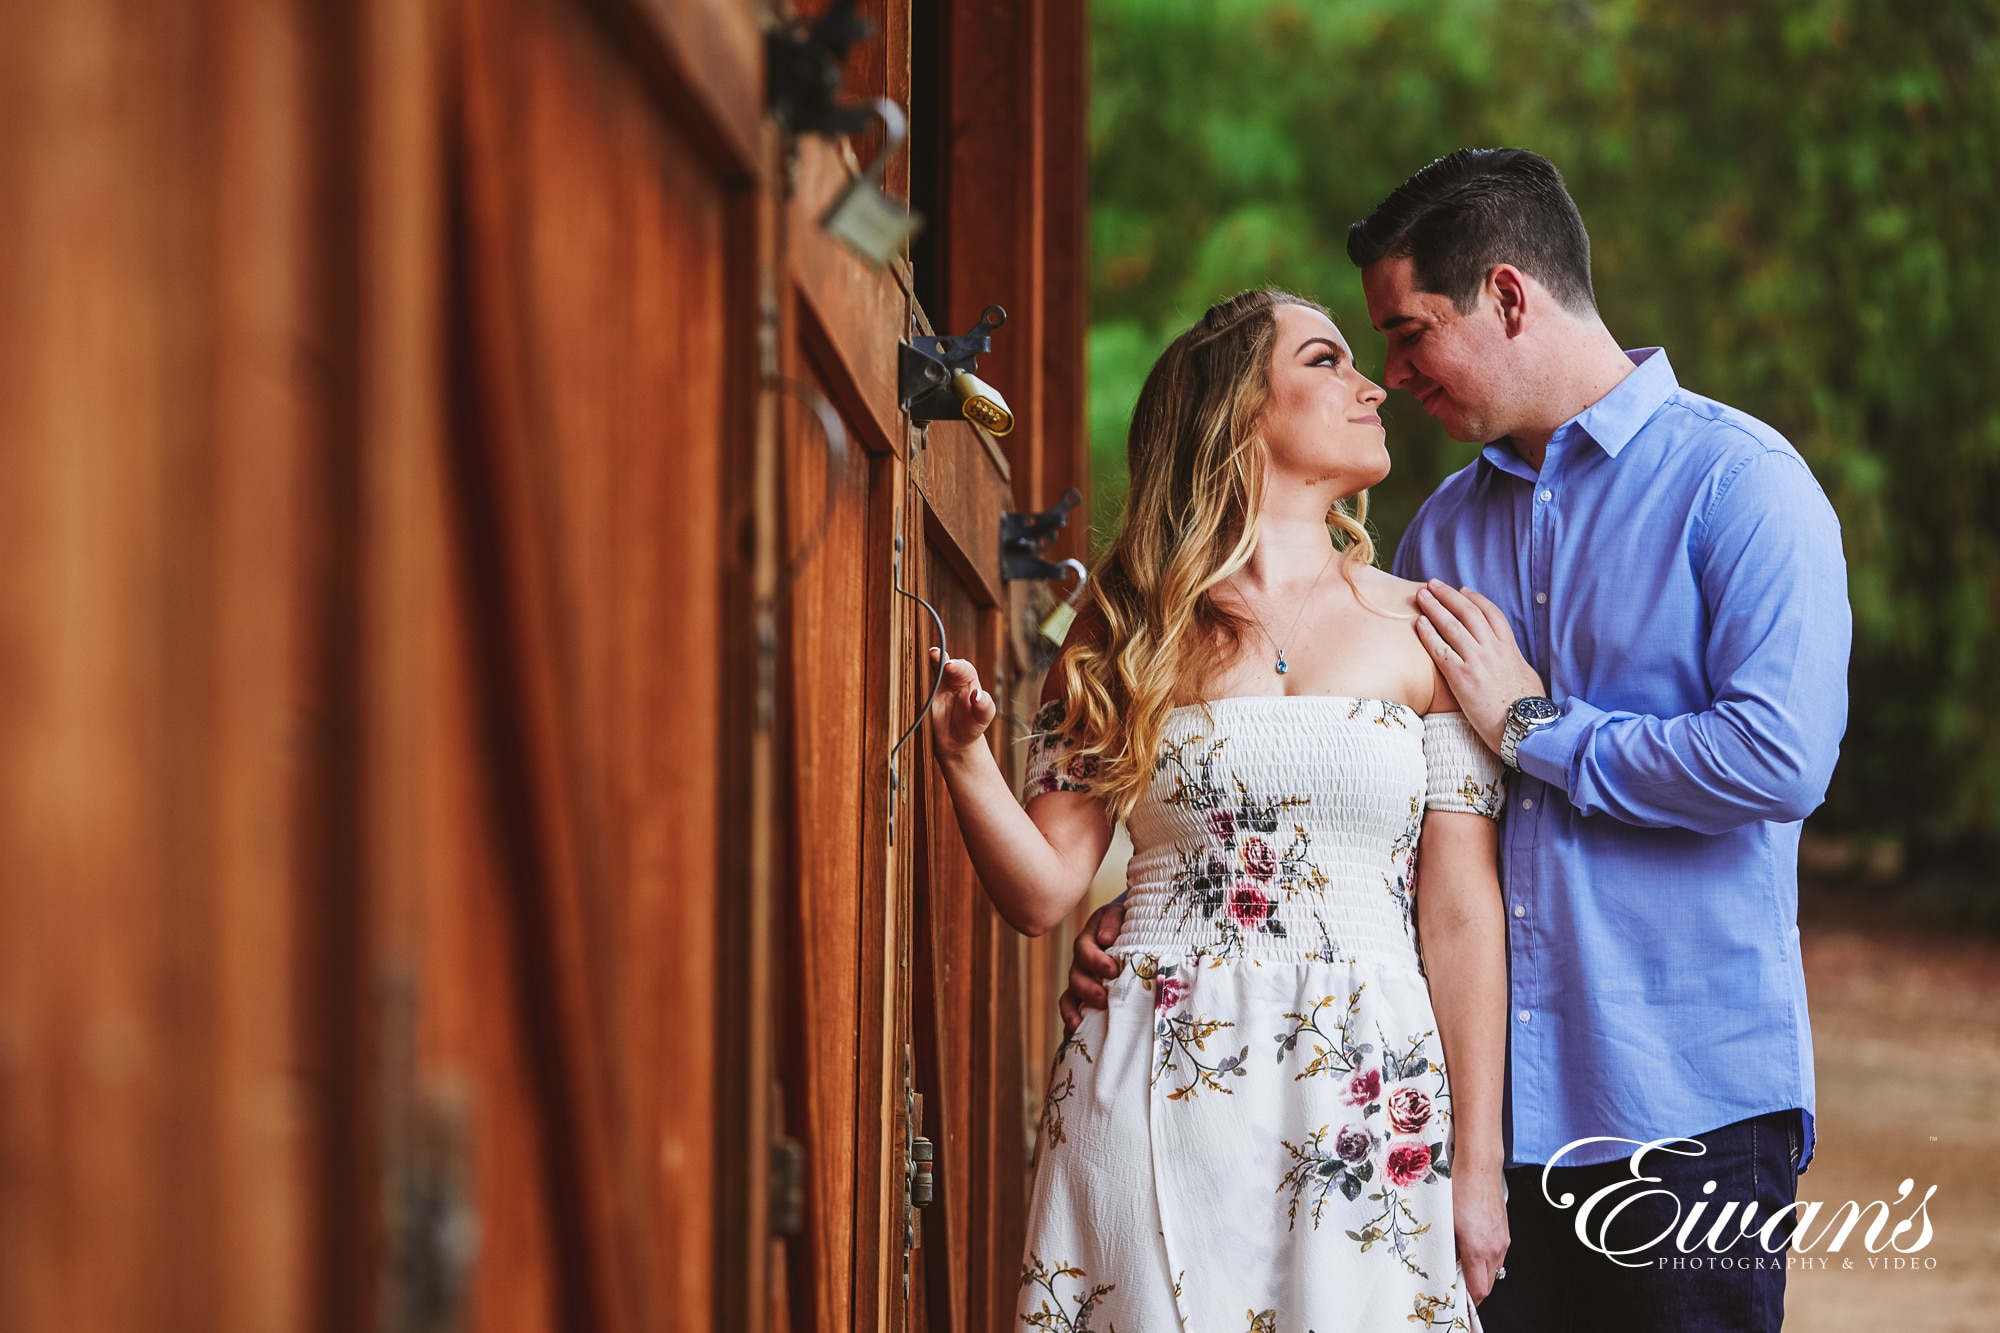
447 850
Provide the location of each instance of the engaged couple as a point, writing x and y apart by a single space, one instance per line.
1453 886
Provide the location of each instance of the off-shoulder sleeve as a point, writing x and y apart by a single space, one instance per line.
1051 766
1464 776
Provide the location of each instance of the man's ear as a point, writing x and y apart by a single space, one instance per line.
1510 289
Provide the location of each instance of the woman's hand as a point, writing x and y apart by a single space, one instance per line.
1479 1219
962 711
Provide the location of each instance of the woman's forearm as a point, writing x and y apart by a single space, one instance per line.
1034 867
1463 926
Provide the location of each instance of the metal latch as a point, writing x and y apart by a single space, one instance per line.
1023 537
788 1186
923 1185
935 379
919 1157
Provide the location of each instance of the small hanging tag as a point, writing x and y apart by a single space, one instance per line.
1055 625
869 222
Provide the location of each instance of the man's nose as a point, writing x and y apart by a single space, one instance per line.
1396 368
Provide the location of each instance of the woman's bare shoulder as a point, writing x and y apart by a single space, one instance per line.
1388 592
1398 597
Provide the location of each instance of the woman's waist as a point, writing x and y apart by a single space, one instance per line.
1292 932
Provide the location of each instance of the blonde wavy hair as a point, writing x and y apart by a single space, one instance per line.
1197 469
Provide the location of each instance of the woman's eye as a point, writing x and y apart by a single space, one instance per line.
1324 359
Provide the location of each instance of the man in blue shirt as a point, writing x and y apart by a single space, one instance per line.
1639 599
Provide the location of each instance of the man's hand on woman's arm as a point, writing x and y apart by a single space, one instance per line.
1763 746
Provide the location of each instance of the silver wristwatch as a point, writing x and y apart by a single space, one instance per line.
1526 714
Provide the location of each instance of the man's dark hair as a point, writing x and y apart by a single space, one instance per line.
1463 214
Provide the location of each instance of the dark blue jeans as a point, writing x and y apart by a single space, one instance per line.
1555 1284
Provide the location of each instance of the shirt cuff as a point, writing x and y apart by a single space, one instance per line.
1549 753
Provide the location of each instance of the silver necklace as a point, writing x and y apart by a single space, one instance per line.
1283 666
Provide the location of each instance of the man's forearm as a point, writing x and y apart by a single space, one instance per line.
1711 771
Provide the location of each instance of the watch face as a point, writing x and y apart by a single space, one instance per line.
1534 710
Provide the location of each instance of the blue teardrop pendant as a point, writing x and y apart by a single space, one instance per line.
1282 668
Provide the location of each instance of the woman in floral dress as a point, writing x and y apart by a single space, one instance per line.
1259 1133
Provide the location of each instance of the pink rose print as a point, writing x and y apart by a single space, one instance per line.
1249 905
1168 992
1408 1163
1222 823
1409 1110
1259 861
1364 1087
1352 1143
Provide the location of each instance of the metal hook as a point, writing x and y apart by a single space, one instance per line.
872 224
944 655
1055 625
835 432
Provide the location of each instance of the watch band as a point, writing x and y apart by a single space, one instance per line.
1519 724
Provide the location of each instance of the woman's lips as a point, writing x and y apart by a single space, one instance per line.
1372 419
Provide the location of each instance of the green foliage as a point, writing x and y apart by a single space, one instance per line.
1797 198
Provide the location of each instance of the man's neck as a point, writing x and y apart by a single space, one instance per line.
1583 368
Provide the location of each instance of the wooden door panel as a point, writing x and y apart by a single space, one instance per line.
829 528
963 477
946 973
853 314
590 426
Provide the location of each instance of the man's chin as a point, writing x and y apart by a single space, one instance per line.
1460 428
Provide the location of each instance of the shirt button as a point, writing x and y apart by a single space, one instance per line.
1541 599
1527 802
1520 910
1523 1015
1547 496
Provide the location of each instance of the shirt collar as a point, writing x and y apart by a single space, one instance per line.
1612 420
1615 418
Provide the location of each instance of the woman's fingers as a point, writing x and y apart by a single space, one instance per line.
960 676
962 711
961 682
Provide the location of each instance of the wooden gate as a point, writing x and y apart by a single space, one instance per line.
457 864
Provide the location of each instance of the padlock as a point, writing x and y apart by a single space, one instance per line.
871 224
1055 625
865 219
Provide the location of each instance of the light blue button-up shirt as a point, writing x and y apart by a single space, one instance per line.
1675 575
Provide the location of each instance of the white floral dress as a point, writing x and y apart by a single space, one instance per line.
1256 1137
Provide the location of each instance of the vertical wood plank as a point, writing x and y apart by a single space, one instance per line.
993 192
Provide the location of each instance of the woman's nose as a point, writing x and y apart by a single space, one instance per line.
1374 395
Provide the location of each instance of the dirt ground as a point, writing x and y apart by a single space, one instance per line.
1906 1027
